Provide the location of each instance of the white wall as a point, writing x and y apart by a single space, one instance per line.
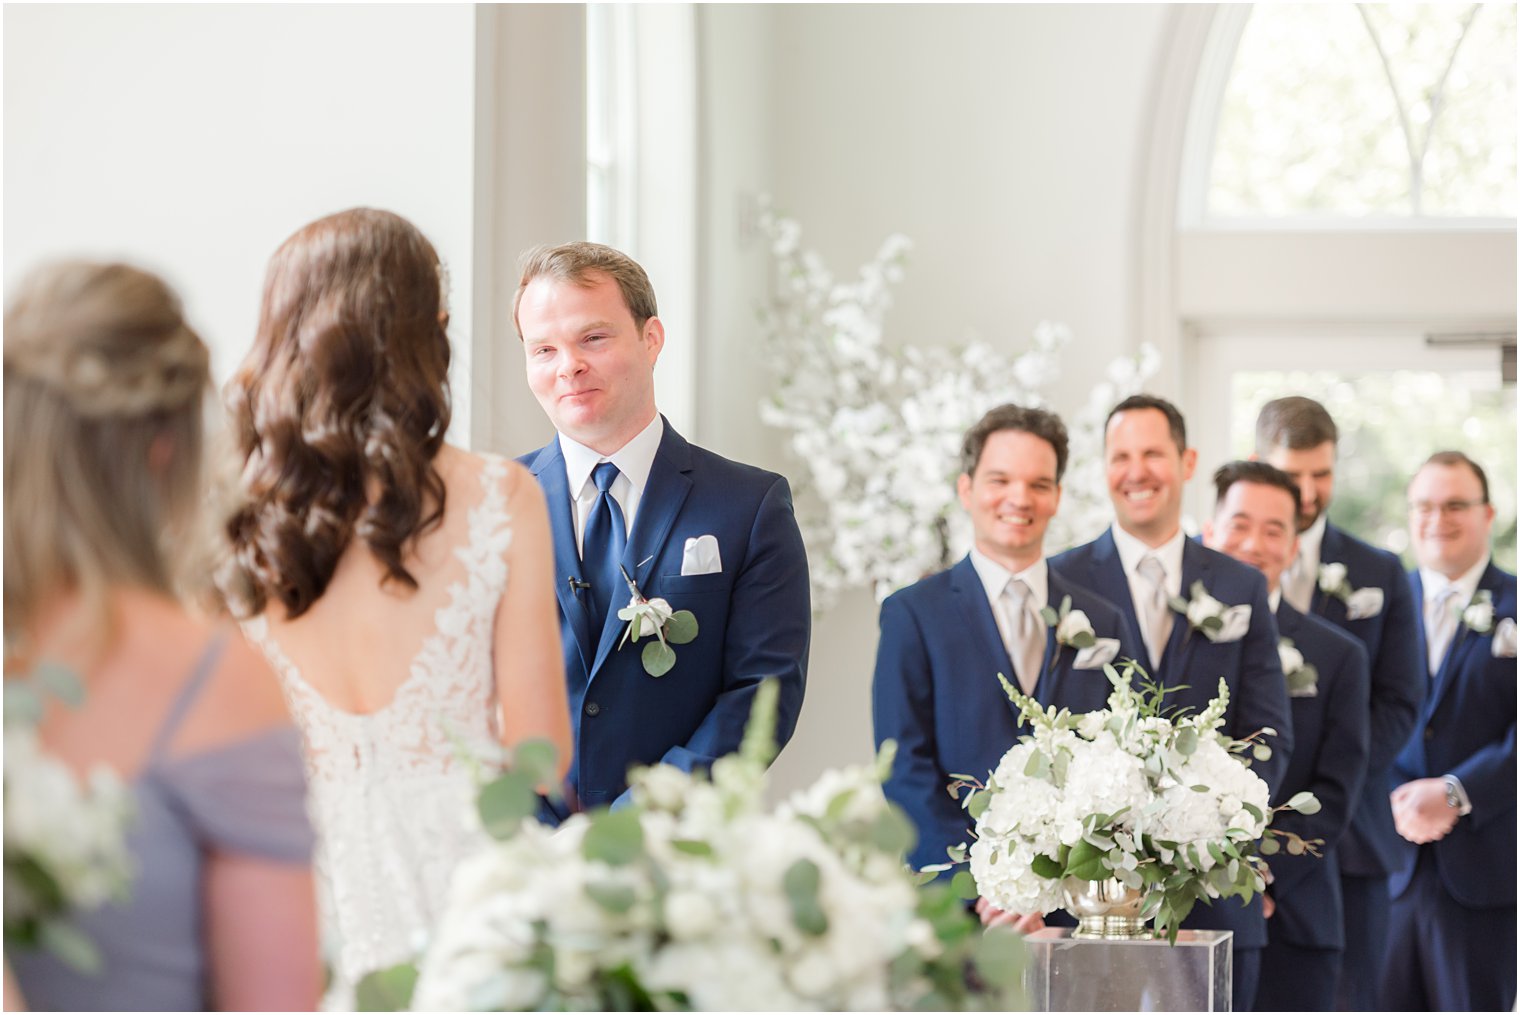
193 139
1006 141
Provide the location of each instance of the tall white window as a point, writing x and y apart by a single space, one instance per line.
611 101
1347 232
1399 110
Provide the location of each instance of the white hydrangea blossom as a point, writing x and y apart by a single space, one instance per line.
714 925
1174 792
878 429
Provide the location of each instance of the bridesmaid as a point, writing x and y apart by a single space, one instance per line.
105 392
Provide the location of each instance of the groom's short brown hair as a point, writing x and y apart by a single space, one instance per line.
580 262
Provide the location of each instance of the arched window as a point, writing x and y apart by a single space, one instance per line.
1368 109
1346 230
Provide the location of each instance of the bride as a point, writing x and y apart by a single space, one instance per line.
401 587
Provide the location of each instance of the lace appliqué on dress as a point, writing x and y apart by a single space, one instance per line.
392 792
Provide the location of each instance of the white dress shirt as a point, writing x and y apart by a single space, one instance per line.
1433 585
995 578
634 461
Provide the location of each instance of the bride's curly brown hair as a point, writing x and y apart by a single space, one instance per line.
339 409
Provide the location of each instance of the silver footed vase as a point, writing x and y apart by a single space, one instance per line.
1106 910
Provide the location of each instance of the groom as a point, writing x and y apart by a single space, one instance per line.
629 496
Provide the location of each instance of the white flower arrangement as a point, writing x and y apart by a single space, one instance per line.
1212 618
65 843
1165 806
696 897
878 429
1360 603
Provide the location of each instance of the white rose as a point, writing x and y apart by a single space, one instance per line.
1332 577
1292 659
1479 616
1073 624
1202 608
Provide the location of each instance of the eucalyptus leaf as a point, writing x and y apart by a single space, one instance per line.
658 658
801 885
505 801
692 847
892 832
976 804
1043 866
1083 639
615 838
614 898
1049 616
1296 846
964 885
1187 741
681 628
70 946
535 758
387 989
1304 802
999 958
23 703
1261 752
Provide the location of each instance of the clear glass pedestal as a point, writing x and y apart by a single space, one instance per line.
1077 974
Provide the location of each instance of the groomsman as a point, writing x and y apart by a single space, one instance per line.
629 496
945 639
1452 940
1364 591
1143 562
1255 522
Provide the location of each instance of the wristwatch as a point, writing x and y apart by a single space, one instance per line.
1456 796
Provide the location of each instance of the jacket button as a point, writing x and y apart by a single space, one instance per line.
592 708
1430 732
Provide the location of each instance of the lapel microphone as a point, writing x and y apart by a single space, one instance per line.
576 585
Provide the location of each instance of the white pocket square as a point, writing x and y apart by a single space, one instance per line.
701 556
1503 645
1097 655
1234 623
1364 603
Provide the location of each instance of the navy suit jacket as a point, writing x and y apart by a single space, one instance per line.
1466 728
936 692
754 617
1250 667
1330 738
1371 846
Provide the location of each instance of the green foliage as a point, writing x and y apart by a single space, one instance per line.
387 989
681 628
615 838
801 885
658 658
505 801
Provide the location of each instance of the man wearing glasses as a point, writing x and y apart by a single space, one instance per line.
1452 940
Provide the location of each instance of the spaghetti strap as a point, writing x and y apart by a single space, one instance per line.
187 694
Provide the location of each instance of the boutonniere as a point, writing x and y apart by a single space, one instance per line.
1211 618
1360 603
1478 615
1303 678
1073 629
654 616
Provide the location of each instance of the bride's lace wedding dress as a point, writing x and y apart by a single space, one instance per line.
391 792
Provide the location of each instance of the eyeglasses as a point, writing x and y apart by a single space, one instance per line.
1454 508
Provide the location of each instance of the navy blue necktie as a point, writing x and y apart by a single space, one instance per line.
602 551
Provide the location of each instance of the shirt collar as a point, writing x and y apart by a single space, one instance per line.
634 460
1273 598
995 578
1466 583
1132 551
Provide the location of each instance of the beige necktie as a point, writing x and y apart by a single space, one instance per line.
1298 589
1440 625
1028 648
1155 612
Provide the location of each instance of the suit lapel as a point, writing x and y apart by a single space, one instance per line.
1463 641
1053 668
1108 573
967 585
666 491
549 468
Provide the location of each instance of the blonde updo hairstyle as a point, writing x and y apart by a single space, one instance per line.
105 390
